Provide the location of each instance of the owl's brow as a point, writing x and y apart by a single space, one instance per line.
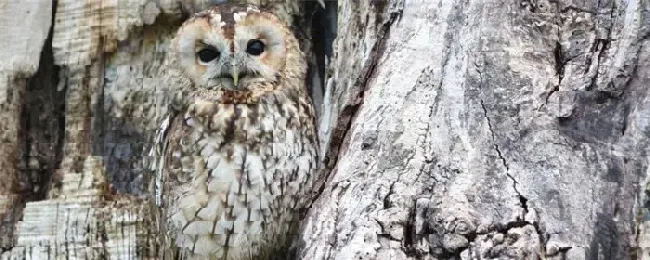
228 18
227 14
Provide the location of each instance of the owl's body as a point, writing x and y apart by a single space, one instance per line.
238 153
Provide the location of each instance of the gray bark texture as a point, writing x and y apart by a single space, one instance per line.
451 129
485 130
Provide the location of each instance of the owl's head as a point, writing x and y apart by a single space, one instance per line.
233 47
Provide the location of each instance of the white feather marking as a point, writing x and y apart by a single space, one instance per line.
178 219
189 203
206 245
255 169
240 224
212 211
239 16
219 185
255 227
240 211
213 161
223 227
208 150
198 228
189 214
223 177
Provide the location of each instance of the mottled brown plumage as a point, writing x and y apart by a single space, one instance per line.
237 154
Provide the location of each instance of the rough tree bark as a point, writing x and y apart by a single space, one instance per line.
459 129
486 130
20 61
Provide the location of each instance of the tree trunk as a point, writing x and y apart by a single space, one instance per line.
449 129
486 130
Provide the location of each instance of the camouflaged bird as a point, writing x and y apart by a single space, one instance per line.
237 153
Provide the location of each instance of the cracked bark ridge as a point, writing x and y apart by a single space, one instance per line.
485 130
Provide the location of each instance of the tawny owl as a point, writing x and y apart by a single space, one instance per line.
237 151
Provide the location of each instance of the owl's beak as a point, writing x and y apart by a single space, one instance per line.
235 75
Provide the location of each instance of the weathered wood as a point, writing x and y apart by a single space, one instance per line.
23 30
85 221
484 130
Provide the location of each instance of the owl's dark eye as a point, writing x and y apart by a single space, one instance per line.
208 54
255 47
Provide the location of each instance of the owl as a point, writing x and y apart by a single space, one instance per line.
237 151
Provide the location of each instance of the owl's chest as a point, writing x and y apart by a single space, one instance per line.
239 147
231 129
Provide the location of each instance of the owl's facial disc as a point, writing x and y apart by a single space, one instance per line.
227 69
237 66
234 47
242 64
